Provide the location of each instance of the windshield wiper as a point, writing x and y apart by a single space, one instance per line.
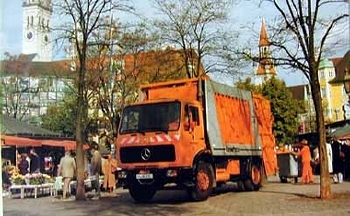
162 130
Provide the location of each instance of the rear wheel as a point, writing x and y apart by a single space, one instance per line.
141 193
204 178
254 180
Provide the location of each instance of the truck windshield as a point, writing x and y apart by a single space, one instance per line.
161 117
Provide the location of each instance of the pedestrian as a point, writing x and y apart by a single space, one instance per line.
329 155
338 161
34 161
5 179
67 170
23 164
96 162
109 168
315 160
346 150
48 165
305 154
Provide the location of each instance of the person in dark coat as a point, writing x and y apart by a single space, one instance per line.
338 161
34 161
23 165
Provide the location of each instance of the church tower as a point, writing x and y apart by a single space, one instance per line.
266 68
37 29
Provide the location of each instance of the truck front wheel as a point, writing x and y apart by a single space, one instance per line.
141 193
204 178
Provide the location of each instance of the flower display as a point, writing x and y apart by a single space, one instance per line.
30 179
35 178
17 179
48 178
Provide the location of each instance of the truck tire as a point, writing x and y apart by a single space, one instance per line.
204 178
141 193
240 185
253 182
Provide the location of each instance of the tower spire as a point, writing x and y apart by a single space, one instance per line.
264 39
266 68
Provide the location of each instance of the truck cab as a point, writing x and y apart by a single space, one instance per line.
158 141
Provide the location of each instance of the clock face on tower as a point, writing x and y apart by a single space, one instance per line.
30 35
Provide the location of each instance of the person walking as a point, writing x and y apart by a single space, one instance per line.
96 162
67 170
305 154
109 167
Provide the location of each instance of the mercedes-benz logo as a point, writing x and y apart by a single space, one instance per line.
145 154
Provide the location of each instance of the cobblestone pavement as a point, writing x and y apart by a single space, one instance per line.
274 198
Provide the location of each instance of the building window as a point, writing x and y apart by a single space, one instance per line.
330 73
322 75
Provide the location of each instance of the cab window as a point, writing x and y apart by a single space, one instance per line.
191 116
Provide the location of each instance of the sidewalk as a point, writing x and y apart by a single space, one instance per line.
274 198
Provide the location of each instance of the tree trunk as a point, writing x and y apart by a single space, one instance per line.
325 184
80 187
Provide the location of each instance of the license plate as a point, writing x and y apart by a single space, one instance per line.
144 176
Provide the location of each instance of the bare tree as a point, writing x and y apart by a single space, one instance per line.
15 84
299 38
193 26
115 85
80 20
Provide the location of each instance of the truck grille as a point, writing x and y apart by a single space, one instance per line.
147 154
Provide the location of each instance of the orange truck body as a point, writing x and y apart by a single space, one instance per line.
219 133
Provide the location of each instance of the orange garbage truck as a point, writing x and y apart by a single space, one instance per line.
195 135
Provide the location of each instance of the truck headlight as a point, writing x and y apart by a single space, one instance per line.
171 173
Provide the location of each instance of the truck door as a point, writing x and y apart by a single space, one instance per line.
193 127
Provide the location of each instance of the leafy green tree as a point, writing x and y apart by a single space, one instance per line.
248 85
61 117
284 108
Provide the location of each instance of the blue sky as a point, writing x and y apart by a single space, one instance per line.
247 14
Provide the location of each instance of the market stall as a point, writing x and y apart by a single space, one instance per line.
19 141
66 144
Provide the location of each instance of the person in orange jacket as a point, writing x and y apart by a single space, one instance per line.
305 154
108 169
